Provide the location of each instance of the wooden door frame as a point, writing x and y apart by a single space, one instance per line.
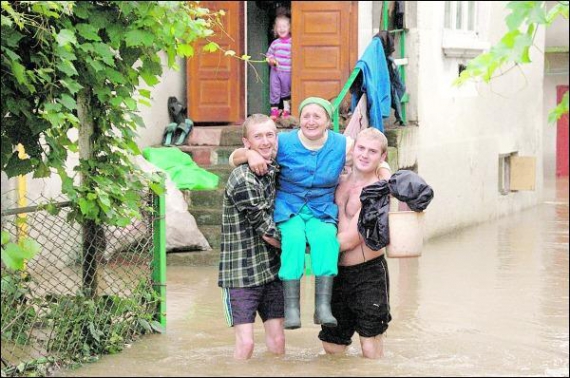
231 113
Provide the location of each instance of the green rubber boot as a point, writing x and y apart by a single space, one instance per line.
323 295
292 293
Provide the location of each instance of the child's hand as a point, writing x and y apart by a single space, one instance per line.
272 62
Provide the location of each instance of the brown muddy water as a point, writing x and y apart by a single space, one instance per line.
490 300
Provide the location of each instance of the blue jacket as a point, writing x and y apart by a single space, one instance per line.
308 177
376 83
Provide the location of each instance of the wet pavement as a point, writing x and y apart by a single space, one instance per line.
489 300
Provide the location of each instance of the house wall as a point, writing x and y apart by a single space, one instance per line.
156 118
555 73
462 131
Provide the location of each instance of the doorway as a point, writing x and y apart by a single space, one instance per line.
260 18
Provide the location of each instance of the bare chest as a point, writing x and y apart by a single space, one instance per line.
351 201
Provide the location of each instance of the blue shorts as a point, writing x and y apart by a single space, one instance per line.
242 304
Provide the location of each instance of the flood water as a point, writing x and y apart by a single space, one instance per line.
490 300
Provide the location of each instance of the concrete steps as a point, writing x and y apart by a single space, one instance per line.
210 147
194 258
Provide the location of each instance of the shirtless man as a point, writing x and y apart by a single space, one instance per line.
360 300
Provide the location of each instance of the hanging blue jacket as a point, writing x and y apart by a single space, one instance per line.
376 83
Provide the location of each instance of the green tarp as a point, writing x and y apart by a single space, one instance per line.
181 169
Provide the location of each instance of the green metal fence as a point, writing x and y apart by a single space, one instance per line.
90 290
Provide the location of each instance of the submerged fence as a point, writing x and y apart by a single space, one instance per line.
90 290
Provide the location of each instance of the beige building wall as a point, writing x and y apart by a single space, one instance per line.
172 83
462 131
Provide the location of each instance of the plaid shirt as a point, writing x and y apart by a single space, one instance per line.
246 260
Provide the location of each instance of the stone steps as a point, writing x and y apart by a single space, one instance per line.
213 234
208 199
216 136
194 258
206 156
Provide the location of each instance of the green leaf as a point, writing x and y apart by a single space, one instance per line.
88 32
105 53
5 237
95 64
6 21
157 188
145 93
67 68
131 104
138 38
10 257
185 50
19 72
86 206
65 37
14 255
211 47
68 101
42 171
72 85
29 248
149 78
123 222
560 110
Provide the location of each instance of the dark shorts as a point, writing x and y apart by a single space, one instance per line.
360 302
242 304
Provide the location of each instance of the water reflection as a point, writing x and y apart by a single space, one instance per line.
489 300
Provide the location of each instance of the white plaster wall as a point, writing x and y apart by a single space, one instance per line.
172 83
463 131
557 32
365 29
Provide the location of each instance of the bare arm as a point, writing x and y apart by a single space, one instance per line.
255 161
350 238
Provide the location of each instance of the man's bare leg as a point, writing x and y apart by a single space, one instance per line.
372 347
331 348
244 341
275 335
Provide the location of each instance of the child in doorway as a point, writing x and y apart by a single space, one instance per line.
279 58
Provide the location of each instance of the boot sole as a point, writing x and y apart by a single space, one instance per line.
293 326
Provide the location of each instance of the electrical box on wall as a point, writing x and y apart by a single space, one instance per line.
523 173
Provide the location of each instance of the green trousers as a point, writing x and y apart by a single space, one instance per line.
321 236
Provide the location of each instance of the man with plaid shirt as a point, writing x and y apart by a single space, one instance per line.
249 260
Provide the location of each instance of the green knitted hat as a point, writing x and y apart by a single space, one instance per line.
319 101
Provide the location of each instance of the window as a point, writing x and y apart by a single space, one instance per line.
505 173
460 15
461 37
